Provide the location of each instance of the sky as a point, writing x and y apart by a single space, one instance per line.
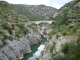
54 3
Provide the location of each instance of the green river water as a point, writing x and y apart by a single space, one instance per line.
34 49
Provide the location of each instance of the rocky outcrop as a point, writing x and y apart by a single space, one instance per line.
15 49
61 40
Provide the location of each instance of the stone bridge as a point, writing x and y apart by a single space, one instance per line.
38 22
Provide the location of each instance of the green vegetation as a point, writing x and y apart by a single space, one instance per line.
58 57
17 34
10 30
67 23
16 30
32 25
22 30
52 47
7 27
37 58
57 36
10 38
64 29
52 33
3 39
71 51
1 32
29 12
12 26
65 48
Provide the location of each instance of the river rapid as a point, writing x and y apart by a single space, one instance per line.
36 52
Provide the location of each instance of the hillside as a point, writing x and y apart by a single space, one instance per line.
63 35
69 12
25 12
64 39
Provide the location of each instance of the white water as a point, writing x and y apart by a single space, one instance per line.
37 54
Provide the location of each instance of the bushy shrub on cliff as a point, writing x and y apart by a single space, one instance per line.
10 30
71 51
12 26
23 29
17 34
51 34
1 32
21 26
10 38
7 27
3 39
37 59
58 57
57 36
65 48
32 25
52 47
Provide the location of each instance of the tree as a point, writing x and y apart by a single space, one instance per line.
65 48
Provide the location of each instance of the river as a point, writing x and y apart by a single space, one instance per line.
36 51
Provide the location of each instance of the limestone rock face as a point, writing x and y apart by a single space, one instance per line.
15 49
61 40
2 56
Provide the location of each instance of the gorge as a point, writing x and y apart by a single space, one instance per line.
24 36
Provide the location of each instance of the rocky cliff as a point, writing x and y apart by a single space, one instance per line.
14 49
47 55
64 35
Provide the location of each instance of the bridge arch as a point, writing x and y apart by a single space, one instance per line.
38 22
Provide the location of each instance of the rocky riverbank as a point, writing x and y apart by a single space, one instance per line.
15 49
61 40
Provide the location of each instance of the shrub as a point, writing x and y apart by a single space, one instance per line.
64 33
59 57
5 25
21 26
10 30
51 34
74 29
70 32
1 32
52 47
37 58
71 56
4 37
70 27
57 36
17 35
4 42
25 31
10 38
33 25
65 48
78 40
12 26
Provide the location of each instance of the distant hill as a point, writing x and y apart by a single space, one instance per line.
25 12
70 11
